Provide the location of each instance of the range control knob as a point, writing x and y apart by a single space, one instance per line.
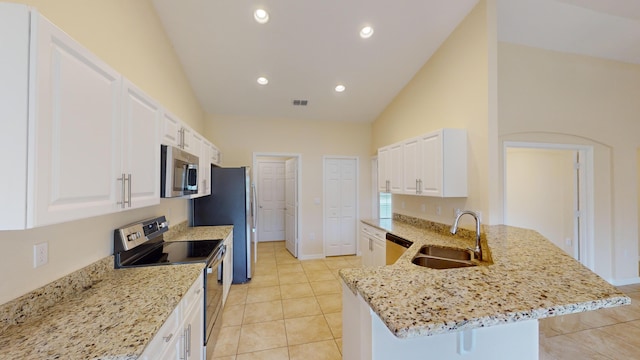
132 237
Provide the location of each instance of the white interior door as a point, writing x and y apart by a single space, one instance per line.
542 194
291 206
271 201
340 206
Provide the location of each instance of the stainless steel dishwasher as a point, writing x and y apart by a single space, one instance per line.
396 246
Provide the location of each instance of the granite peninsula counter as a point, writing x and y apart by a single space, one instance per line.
529 279
99 312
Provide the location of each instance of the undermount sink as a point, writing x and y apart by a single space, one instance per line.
439 263
436 257
448 253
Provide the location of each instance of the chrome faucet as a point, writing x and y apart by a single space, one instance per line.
454 228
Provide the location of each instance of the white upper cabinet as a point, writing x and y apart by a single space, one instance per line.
75 128
80 140
177 133
395 165
171 130
390 168
443 159
141 118
216 156
384 169
433 164
201 147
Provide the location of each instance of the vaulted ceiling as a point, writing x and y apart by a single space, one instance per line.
308 47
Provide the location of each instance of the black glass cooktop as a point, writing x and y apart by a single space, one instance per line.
177 252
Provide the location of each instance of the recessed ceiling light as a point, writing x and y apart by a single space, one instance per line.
261 16
262 80
340 88
366 32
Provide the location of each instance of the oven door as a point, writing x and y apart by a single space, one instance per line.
213 300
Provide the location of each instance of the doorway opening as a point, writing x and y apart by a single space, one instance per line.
549 188
277 182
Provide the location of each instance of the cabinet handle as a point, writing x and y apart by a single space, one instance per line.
420 185
417 186
388 185
167 338
189 341
123 178
129 181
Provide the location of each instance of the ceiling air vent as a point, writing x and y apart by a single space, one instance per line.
300 102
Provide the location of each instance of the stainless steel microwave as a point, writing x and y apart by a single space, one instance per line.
179 172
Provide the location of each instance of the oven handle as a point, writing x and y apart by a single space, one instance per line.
217 259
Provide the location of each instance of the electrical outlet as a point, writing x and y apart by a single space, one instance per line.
40 254
438 210
423 208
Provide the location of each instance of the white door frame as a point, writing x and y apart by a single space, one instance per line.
324 190
254 174
586 192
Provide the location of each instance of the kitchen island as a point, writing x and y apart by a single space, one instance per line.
489 311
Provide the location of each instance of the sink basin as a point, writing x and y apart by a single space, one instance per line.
448 253
440 263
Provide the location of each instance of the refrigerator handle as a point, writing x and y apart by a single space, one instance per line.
254 213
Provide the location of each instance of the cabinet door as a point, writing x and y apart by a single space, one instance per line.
215 155
395 166
365 246
205 169
411 166
431 164
141 118
197 143
14 112
189 141
77 135
383 170
171 130
379 252
227 270
194 332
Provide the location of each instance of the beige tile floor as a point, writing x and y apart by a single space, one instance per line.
290 310
603 334
293 310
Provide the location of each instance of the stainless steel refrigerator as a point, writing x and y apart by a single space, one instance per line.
231 203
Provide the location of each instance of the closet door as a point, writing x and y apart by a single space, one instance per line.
340 206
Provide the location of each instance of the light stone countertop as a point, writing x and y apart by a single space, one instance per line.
99 312
114 319
530 278
181 232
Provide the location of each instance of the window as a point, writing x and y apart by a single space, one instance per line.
385 206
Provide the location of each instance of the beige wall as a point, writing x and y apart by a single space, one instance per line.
451 90
548 96
128 36
239 138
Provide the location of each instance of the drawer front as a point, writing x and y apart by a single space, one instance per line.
374 231
165 337
194 295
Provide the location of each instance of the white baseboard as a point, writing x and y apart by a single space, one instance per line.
623 282
311 257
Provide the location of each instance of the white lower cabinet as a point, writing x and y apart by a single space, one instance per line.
182 334
366 337
227 268
372 246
